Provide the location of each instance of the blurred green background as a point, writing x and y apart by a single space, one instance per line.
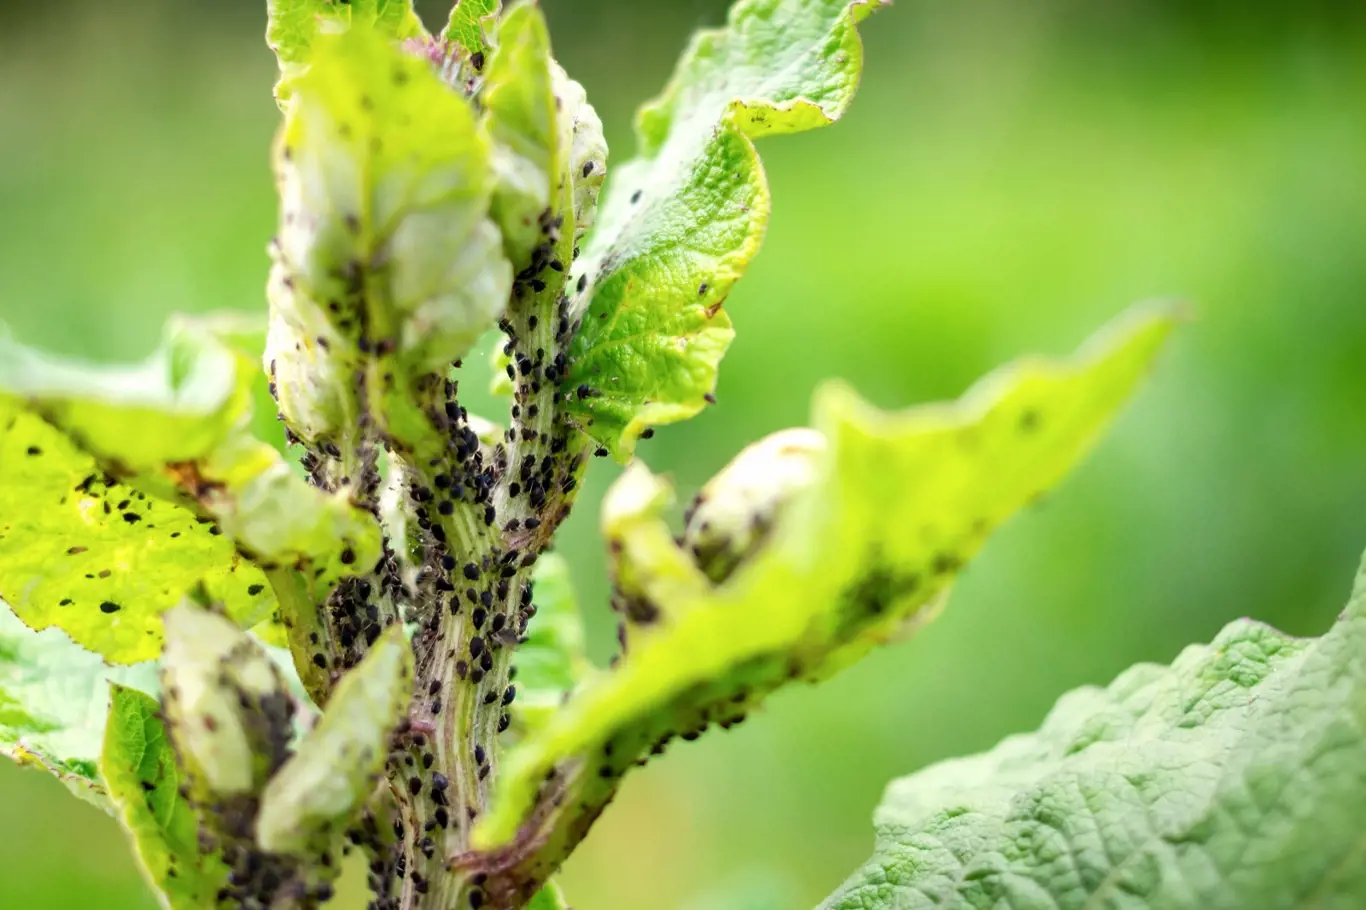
1011 176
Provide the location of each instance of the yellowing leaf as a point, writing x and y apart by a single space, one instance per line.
861 556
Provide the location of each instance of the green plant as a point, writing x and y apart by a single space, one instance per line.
412 686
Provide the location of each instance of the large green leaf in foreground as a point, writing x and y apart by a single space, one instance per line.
862 556
1235 779
54 697
685 217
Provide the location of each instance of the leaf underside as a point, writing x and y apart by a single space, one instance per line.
1234 778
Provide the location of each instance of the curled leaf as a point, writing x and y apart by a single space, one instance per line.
861 556
685 217
338 763
519 115
735 511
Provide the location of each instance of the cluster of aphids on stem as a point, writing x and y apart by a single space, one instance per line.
480 510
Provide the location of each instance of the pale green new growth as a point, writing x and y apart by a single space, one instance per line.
549 898
226 704
54 698
293 26
1234 778
337 764
139 767
687 215
902 502
519 115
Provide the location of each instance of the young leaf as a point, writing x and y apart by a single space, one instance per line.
860 557
519 115
687 215
552 659
338 763
139 767
53 703
386 262
469 24
1236 777
293 27
116 484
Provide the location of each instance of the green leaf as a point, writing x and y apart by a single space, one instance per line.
519 115
549 153
1234 778
139 768
687 215
386 262
294 26
469 24
53 703
553 658
863 555
99 558
338 763
123 487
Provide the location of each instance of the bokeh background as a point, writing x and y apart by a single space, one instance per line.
1012 175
